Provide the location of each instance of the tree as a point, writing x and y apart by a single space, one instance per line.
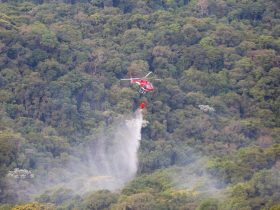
10 145
191 34
210 204
227 36
138 201
138 68
34 206
103 199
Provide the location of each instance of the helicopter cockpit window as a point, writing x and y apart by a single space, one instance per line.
149 86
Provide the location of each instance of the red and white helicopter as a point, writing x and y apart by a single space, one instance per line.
144 84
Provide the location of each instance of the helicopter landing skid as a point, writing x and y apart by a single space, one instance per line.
142 91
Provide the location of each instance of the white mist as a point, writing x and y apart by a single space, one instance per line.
107 162
113 161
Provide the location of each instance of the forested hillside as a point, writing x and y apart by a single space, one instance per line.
60 68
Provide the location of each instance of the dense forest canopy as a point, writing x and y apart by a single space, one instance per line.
60 68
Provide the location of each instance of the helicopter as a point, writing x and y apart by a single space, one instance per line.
144 84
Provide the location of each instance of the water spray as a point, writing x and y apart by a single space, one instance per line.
107 162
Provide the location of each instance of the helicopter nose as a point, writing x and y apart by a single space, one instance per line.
151 88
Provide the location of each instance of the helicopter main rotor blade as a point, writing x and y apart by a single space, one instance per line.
148 74
130 78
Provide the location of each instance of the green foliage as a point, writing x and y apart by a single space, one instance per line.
10 143
100 200
157 183
157 191
60 65
275 207
256 192
34 206
57 197
210 204
138 201
6 207
242 165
